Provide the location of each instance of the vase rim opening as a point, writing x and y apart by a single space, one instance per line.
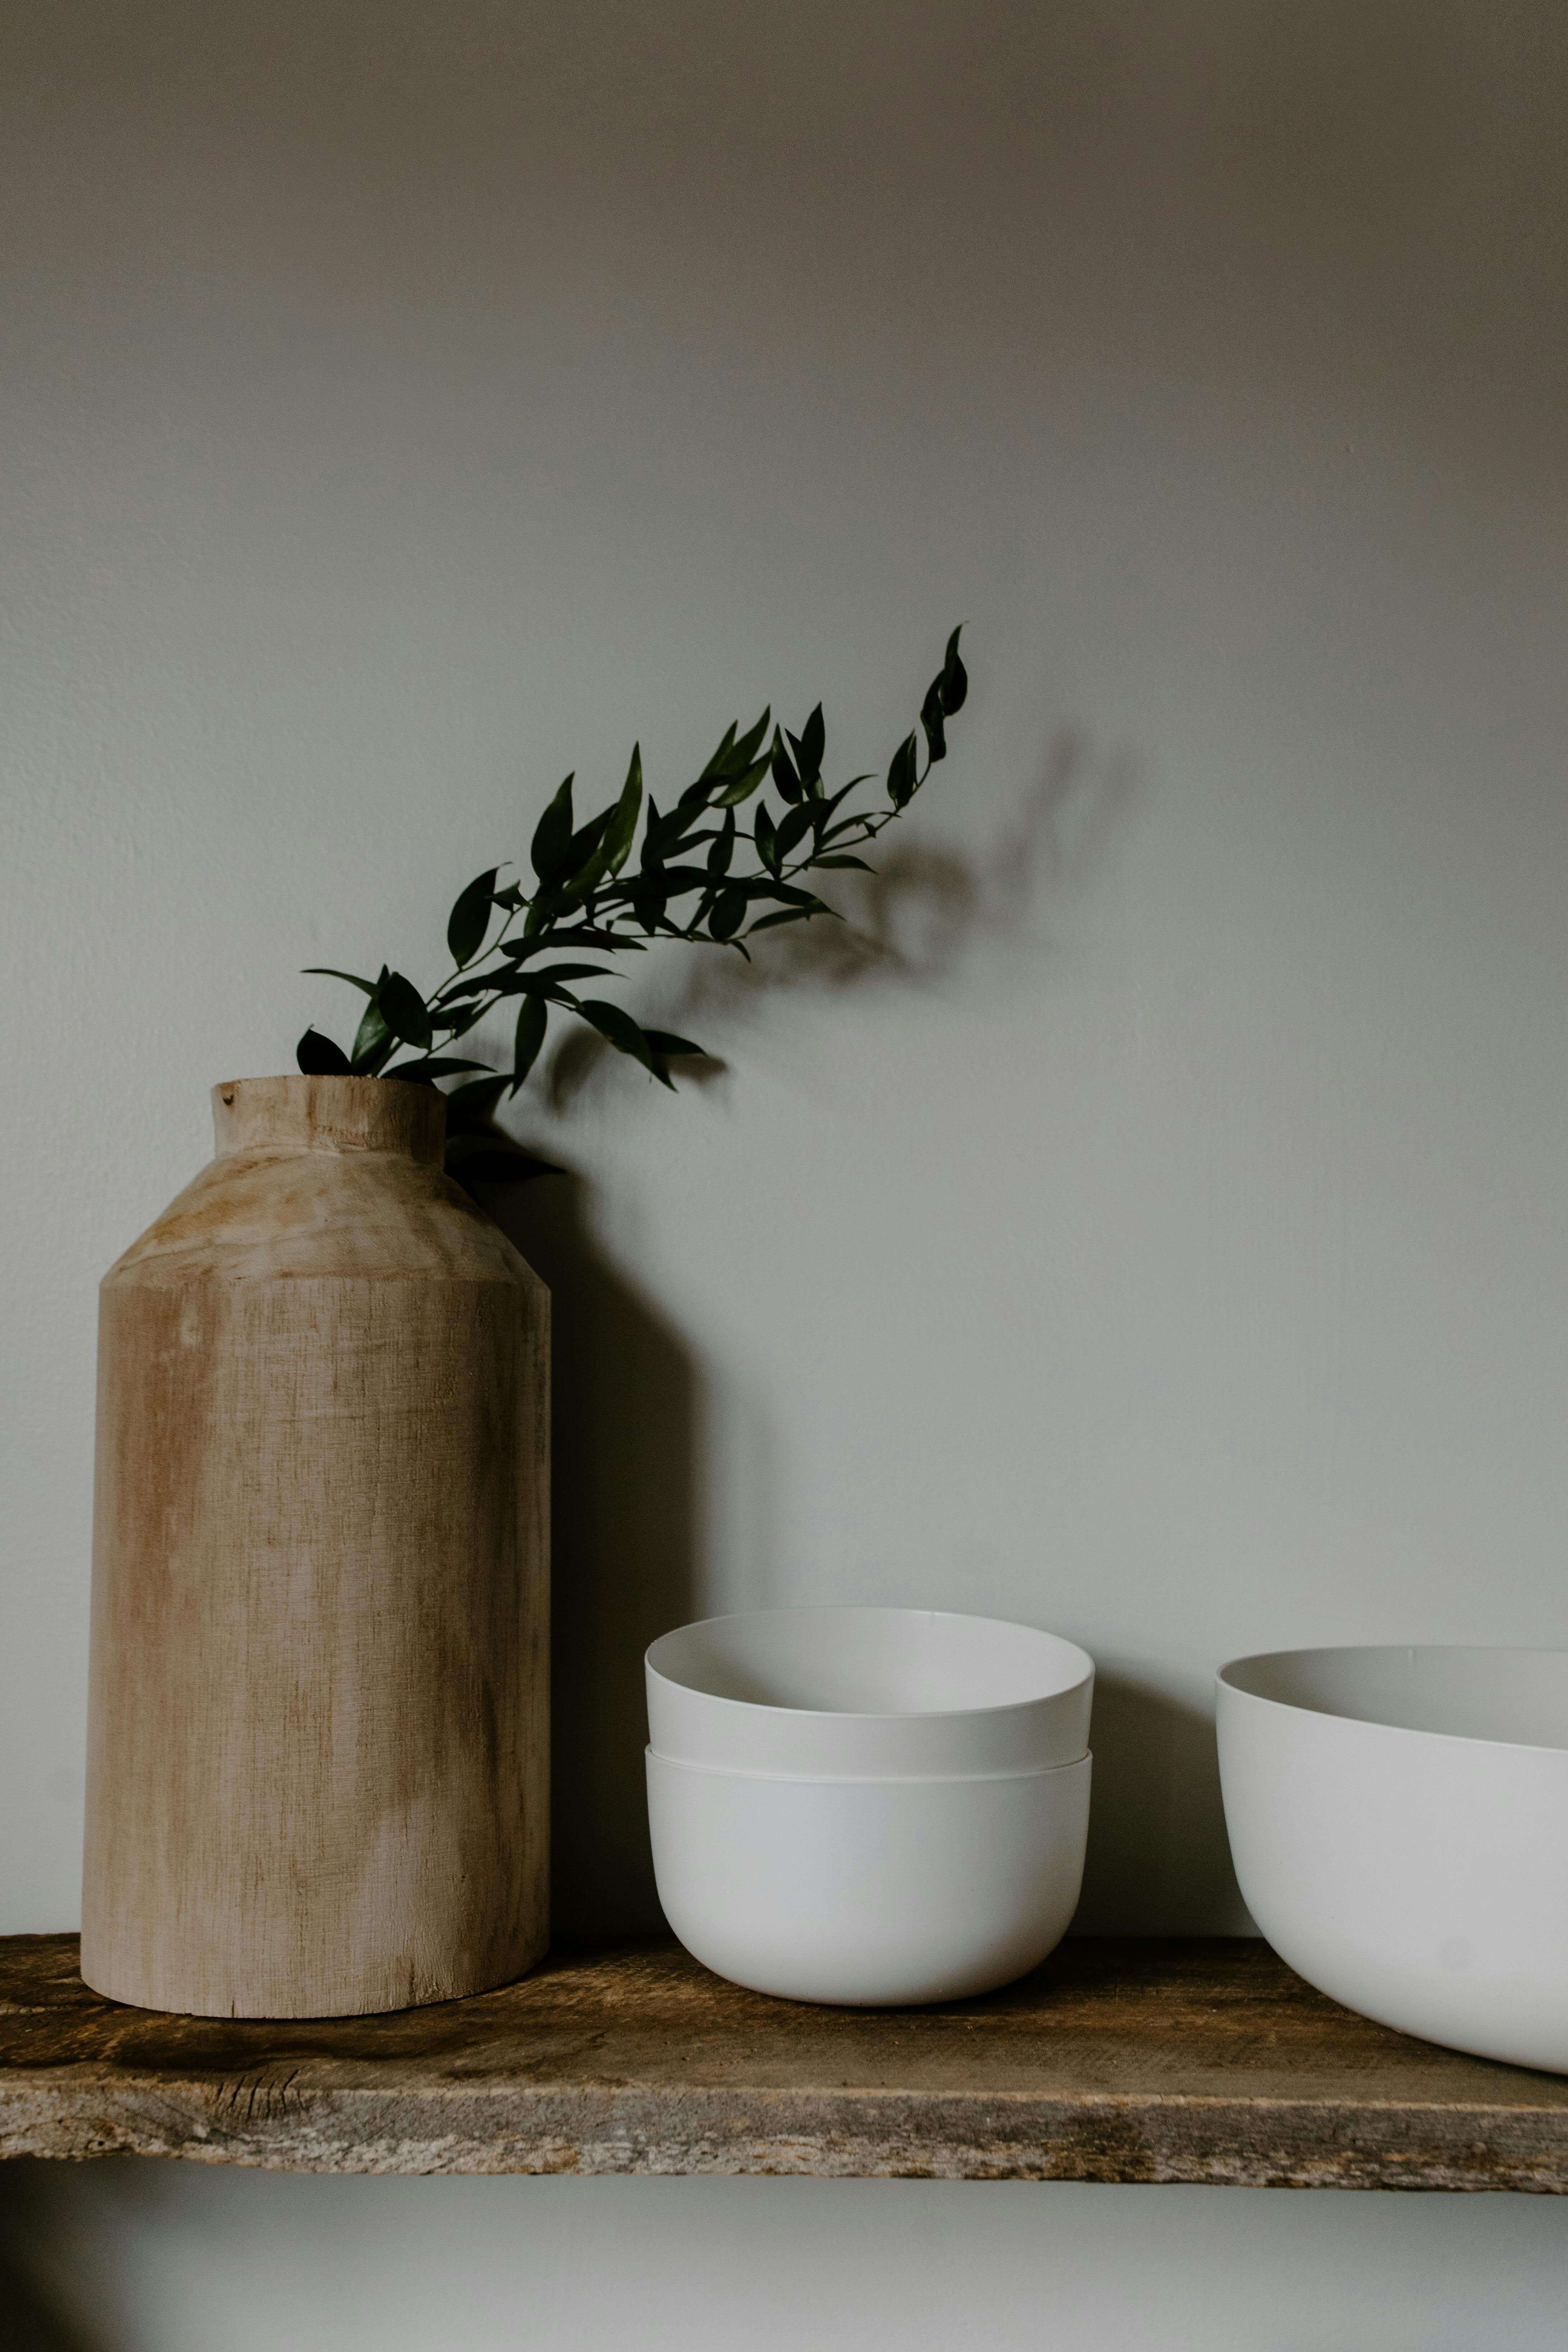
297 1113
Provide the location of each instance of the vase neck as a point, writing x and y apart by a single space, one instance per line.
286 1115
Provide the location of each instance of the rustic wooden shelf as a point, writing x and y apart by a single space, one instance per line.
1125 2062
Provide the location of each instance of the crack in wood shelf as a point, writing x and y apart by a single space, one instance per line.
1136 2061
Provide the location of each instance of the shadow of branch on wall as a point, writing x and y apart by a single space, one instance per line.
914 921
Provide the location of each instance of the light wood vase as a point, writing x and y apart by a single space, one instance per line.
318 1760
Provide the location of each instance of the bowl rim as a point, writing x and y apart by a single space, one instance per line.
866 1780
767 1707
1384 1649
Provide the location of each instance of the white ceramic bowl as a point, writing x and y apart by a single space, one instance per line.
879 1892
867 1805
867 1691
1399 1822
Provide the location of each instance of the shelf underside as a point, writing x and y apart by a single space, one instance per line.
1199 2062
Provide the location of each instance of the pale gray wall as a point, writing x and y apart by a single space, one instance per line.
404 404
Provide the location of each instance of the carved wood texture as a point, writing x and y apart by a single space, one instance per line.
319 1721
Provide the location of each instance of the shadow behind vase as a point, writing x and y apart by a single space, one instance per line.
628 1413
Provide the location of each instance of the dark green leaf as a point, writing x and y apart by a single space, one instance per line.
931 720
728 777
326 972
588 836
785 915
672 827
794 827
556 975
552 835
374 1041
744 751
809 746
716 764
645 900
723 847
531 1026
745 784
586 859
404 1010
828 834
529 983
735 753
840 859
677 847
729 913
762 834
319 1059
470 917
785 777
623 823
664 1042
617 1028
788 894
652 852
901 774
954 677
666 831
591 935
438 1065
822 810
674 882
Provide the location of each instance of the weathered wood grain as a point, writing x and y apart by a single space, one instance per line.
1203 2062
319 1731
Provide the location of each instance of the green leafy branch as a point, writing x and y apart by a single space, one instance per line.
702 876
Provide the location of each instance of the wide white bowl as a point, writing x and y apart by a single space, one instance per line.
879 1892
870 1692
1399 1823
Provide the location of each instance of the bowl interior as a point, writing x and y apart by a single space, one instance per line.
1518 1696
869 1661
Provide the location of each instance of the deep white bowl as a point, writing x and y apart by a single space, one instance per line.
879 1892
867 1691
867 1805
1399 1822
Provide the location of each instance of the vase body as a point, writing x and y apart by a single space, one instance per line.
318 1753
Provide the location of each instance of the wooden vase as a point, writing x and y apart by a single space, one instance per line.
317 1757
